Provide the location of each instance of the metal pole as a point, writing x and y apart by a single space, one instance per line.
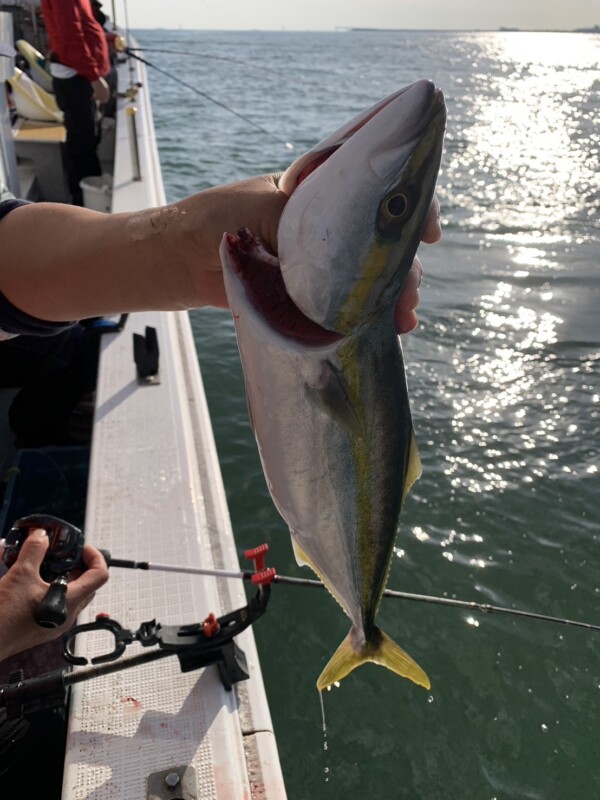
133 143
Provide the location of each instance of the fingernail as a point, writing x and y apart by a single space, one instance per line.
38 535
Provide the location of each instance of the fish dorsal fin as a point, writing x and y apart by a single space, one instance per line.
413 466
331 394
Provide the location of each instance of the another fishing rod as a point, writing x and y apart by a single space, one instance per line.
314 584
208 97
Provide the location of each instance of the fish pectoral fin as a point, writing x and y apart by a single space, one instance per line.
305 561
379 650
301 558
332 395
413 466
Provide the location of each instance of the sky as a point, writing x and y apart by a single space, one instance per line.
329 14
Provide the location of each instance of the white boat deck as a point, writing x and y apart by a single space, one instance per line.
156 494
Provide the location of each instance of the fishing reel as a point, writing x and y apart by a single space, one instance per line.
64 555
65 544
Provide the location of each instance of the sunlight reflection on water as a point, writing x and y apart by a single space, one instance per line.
522 171
532 169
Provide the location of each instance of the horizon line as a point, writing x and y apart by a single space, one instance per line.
355 29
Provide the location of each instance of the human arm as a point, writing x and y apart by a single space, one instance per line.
63 262
22 589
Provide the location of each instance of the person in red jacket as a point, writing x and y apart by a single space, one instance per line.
79 63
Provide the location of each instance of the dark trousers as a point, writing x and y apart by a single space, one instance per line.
75 98
53 373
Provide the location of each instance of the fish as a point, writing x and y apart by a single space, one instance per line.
323 366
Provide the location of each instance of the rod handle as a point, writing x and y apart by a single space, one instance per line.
52 611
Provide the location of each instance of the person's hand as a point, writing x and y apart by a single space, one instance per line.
101 90
257 204
22 589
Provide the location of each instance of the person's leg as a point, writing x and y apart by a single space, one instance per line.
75 99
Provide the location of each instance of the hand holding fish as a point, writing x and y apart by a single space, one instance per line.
257 204
62 262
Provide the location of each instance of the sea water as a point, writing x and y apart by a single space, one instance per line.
505 389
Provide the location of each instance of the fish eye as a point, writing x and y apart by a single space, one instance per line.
394 211
397 205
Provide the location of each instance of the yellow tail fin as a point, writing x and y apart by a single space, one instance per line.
380 650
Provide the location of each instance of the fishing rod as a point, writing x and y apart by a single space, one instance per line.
307 582
247 120
64 555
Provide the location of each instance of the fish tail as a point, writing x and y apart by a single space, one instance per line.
379 649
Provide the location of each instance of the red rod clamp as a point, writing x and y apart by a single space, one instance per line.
263 578
210 626
257 555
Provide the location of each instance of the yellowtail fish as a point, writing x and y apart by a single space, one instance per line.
322 361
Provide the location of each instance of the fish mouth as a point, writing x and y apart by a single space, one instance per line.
260 273
423 93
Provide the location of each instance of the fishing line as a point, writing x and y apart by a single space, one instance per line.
484 608
205 55
206 96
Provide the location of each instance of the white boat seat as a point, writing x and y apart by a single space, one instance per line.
31 101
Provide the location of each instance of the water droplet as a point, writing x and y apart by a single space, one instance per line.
430 699
323 712
544 728
324 729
